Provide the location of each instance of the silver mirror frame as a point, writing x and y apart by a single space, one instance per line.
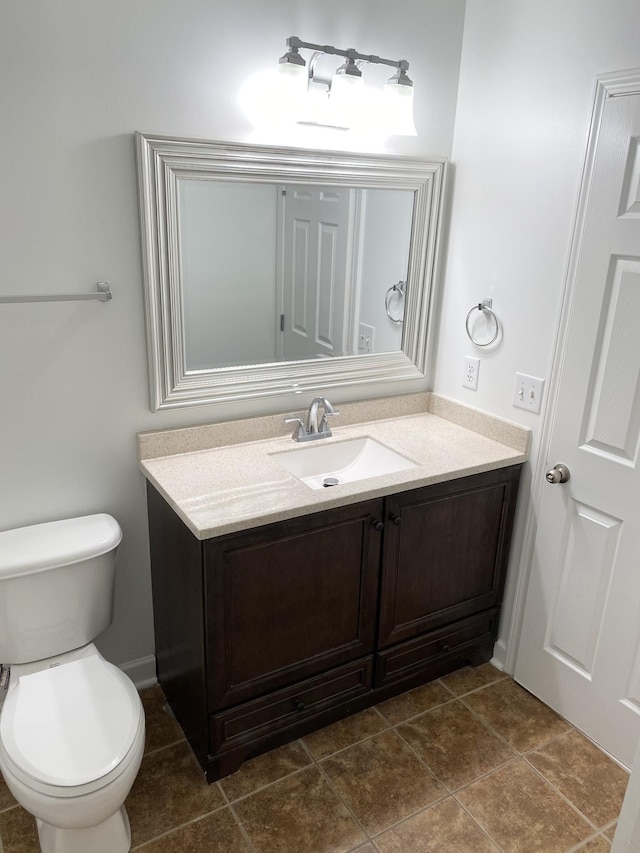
162 161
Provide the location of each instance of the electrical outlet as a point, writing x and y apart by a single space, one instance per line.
365 337
527 393
471 370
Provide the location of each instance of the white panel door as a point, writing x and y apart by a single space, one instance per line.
317 226
580 644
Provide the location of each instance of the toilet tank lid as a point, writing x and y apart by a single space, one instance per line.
26 550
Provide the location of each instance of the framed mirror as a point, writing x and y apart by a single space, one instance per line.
270 271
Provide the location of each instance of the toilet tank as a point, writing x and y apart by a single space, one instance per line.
56 586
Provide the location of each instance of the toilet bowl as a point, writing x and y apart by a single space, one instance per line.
72 724
71 743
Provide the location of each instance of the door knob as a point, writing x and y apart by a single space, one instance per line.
558 474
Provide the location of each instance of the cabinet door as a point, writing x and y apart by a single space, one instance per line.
290 600
445 553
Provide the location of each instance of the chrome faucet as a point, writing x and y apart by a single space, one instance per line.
312 430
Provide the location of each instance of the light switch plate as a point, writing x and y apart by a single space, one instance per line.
527 393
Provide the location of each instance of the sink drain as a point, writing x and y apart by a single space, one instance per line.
330 481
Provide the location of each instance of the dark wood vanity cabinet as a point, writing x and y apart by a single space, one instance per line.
265 635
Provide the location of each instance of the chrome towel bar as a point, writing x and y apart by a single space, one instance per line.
102 294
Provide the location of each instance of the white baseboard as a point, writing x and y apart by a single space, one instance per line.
499 655
142 671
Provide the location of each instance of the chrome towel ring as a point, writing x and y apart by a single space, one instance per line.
400 288
484 306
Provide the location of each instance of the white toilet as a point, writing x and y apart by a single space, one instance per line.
72 724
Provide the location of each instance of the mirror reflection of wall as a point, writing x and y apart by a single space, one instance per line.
384 263
287 272
228 258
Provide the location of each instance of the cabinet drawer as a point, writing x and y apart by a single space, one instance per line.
406 659
283 708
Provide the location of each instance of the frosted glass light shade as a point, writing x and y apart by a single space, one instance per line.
291 88
397 109
345 99
271 99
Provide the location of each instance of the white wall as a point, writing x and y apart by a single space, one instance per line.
77 78
524 106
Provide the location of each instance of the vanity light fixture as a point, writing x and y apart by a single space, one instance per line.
342 101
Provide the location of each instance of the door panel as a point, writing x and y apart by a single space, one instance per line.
585 565
329 267
580 644
613 402
299 308
630 196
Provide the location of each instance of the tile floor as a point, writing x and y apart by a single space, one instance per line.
470 762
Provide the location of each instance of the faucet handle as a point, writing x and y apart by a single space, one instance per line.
324 426
299 431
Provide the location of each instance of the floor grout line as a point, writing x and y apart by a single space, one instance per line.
164 746
387 727
317 763
243 829
411 816
370 836
414 717
563 796
180 826
478 824
581 846
423 762
504 739
502 677
513 760
261 788
326 778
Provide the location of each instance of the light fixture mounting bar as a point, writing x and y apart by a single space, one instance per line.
295 44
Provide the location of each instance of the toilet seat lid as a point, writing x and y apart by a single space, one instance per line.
71 724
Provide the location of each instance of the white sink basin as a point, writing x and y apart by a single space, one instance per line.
342 461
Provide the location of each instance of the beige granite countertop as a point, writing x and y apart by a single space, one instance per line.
232 484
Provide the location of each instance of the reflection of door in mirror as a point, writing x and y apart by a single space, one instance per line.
342 249
288 273
317 238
